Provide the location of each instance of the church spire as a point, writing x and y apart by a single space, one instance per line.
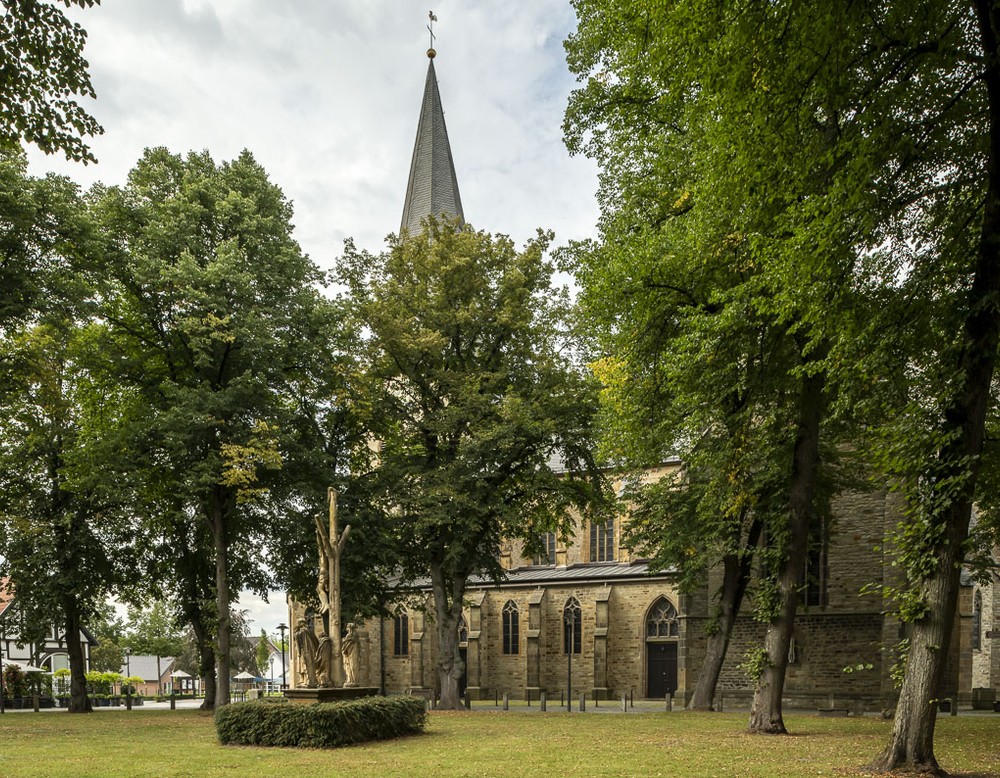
433 187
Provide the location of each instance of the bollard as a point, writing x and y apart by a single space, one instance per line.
541 701
527 695
669 702
34 699
128 702
496 698
954 706
583 702
631 698
173 701
721 709
468 701
624 702
506 701
562 699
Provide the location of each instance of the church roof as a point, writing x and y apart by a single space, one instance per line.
432 189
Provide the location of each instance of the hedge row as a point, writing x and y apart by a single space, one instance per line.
326 725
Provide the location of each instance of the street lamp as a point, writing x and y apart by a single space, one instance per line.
568 620
128 675
281 628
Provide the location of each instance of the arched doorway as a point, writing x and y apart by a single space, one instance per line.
662 633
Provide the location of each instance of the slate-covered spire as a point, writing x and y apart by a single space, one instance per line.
433 188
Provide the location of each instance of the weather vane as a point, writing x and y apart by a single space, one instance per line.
430 27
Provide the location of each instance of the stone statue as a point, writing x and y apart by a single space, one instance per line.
307 645
352 656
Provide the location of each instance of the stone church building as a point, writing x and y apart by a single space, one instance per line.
588 616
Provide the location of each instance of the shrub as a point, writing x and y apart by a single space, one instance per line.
325 725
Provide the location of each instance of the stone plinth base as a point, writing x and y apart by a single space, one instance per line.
311 696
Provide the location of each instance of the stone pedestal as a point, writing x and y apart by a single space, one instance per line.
312 696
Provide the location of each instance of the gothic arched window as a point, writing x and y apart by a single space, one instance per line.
977 620
662 620
511 628
572 627
602 541
401 633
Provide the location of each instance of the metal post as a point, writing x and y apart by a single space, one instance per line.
506 701
173 700
631 698
670 702
541 701
954 706
496 698
281 628
1 684
128 683
624 703
583 701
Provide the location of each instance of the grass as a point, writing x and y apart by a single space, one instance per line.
115 744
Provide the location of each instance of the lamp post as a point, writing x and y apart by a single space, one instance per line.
128 675
272 675
281 628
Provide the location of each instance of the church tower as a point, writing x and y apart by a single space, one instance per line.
432 189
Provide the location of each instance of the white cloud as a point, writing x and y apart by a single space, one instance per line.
325 94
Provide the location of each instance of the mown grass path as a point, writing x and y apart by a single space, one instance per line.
182 743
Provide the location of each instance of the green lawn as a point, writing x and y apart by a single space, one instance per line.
182 743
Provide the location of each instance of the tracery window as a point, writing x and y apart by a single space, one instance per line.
401 633
602 541
463 631
572 627
662 620
511 628
548 556
977 620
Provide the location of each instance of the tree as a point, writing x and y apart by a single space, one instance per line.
213 315
707 291
472 395
41 69
55 532
263 653
897 107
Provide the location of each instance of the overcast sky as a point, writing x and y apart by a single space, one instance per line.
325 94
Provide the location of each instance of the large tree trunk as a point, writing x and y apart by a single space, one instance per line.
221 541
448 611
206 662
735 577
79 702
765 713
911 746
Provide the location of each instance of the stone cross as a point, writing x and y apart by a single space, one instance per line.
331 546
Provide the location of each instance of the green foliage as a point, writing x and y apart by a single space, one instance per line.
107 656
755 661
41 69
329 725
15 681
102 682
471 394
262 654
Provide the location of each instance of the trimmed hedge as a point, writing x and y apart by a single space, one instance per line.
325 725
